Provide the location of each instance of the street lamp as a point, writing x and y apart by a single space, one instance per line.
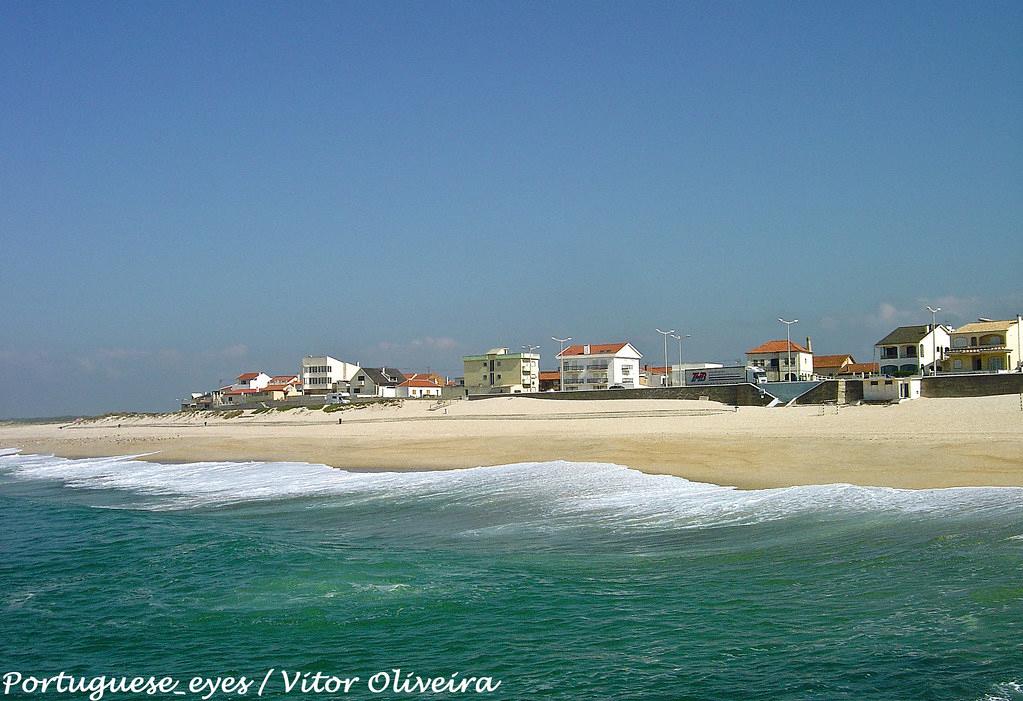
666 334
788 341
934 340
561 366
681 370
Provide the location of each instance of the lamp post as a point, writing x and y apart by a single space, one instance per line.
666 334
561 365
788 341
681 370
934 340
1019 341
530 349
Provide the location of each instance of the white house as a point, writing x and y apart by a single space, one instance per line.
252 380
600 366
321 372
913 350
774 357
417 388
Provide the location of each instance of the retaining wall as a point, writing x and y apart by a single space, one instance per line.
972 385
734 395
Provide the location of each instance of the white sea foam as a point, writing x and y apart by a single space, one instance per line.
554 488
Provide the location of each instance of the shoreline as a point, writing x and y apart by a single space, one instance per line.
927 443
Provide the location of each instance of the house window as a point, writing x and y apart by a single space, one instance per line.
957 364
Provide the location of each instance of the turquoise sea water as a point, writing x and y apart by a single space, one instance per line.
561 580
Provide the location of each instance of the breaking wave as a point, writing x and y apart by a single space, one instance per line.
537 489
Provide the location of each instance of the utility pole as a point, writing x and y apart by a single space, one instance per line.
934 339
666 334
788 342
681 370
561 366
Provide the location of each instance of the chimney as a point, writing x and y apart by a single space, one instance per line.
586 349
809 345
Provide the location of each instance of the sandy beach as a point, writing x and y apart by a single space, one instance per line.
921 444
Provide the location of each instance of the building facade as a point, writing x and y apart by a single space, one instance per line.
831 365
891 389
986 346
373 382
600 366
321 372
418 388
773 358
499 371
913 350
252 380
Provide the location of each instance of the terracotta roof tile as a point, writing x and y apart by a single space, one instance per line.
856 368
831 361
414 382
778 347
595 349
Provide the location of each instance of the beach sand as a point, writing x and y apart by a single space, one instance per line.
919 444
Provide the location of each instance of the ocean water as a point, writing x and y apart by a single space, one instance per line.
560 580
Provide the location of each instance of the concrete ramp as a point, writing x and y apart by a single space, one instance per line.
788 392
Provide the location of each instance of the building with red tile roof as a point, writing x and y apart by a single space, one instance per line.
600 366
859 370
774 358
830 365
417 388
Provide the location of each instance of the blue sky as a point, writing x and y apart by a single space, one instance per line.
188 191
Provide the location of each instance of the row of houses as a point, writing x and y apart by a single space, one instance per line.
321 376
983 346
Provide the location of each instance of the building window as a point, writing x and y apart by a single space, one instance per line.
957 364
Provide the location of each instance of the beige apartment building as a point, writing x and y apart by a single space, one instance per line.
986 346
499 371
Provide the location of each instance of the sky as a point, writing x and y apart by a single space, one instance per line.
193 190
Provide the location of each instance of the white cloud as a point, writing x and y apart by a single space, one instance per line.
442 343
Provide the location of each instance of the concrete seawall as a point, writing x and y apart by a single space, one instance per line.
735 395
972 385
